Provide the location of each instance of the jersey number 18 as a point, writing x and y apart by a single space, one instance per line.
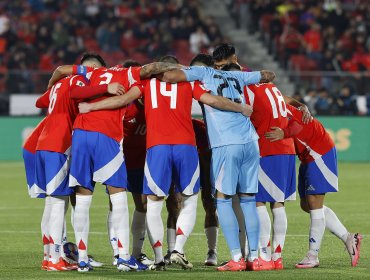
280 101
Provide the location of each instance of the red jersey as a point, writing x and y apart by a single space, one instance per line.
310 140
108 122
269 109
31 142
168 112
134 141
62 111
201 137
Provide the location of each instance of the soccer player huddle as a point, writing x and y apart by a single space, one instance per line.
129 127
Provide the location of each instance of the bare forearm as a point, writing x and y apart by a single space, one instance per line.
156 68
292 101
267 76
225 104
59 73
116 101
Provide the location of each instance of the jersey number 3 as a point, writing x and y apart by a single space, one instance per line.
171 93
280 101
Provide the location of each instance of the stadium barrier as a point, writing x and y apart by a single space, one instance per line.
350 134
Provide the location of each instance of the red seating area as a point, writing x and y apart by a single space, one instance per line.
54 32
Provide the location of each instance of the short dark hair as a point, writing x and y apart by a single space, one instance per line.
203 58
223 51
91 56
231 67
130 63
169 58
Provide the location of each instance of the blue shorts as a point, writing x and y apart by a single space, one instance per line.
96 158
165 164
135 178
319 176
52 170
29 165
234 168
276 179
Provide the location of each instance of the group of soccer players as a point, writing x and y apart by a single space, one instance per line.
129 127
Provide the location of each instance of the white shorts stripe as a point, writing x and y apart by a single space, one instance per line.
151 184
34 191
189 190
270 186
220 178
328 174
73 181
58 178
108 170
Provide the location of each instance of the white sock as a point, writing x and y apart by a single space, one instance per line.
73 216
155 227
45 228
265 232
334 225
82 224
186 221
56 226
241 222
121 225
111 234
171 239
138 232
212 237
317 229
64 236
280 227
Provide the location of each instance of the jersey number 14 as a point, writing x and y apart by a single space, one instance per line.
171 93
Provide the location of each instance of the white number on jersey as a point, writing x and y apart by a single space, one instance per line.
53 97
107 76
171 93
280 100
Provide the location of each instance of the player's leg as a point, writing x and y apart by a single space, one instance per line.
45 233
241 222
276 185
186 177
80 178
247 189
280 226
138 225
30 168
210 221
110 169
157 181
225 168
173 205
52 174
264 241
111 235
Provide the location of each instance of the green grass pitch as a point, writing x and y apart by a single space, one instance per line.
21 248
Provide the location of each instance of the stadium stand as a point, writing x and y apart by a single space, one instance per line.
43 34
323 45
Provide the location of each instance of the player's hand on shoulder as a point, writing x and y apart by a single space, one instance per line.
84 107
116 89
276 134
306 114
247 110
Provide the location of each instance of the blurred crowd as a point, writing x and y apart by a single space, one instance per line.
41 34
329 35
